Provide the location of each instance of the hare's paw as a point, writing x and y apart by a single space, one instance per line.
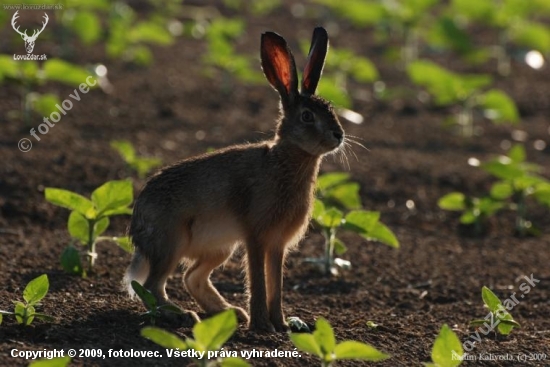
281 326
264 326
242 315
175 315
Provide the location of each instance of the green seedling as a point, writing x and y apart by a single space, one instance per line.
255 8
221 55
33 293
142 165
90 218
464 91
342 67
401 19
518 182
475 211
54 362
335 189
516 22
209 336
322 343
447 350
29 75
154 310
498 316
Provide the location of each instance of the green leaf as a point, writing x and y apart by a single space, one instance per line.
346 194
318 209
45 104
125 243
87 26
307 343
382 234
517 153
490 299
329 180
100 226
70 261
533 35
23 313
113 195
357 350
54 362
234 362
150 32
144 165
117 211
147 297
65 72
332 89
331 218
499 106
339 247
79 227
125 149
453 201
68 199
163 338
9 68
363 70
445 347
502 190
36 289
215 331
324 336
361 221
469 217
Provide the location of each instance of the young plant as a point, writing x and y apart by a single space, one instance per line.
142 165
447 350
518 182
475 211
154 311
28 76
209 337
33 293
464 91
516 22
90 218
322 343
336 189
498 315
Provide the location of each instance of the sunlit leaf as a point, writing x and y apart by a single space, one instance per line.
68 199
216 330
65 72
113 194
36 289
447 348
357 350
502 108
163 338
452 201
79 227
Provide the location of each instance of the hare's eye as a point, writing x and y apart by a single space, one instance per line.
307 116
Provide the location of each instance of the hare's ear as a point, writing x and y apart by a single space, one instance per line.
315 61
279 67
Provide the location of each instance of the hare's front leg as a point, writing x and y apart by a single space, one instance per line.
198 284
274 269
259 316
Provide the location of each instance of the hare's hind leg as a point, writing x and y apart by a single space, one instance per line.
161 265
198 284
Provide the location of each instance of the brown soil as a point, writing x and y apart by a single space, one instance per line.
434 278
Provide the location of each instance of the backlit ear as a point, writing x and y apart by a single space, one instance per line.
315 61
279 67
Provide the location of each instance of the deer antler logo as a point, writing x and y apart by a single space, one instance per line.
29 40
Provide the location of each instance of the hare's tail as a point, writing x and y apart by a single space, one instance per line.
138 271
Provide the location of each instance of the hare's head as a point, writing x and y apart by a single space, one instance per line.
308 121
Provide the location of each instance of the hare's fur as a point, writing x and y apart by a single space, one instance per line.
200 210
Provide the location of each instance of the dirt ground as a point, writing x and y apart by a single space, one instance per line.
170 110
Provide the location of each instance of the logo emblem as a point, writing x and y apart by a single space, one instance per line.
29 40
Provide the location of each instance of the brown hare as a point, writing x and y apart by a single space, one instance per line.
259 196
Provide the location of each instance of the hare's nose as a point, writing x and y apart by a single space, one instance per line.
339 136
